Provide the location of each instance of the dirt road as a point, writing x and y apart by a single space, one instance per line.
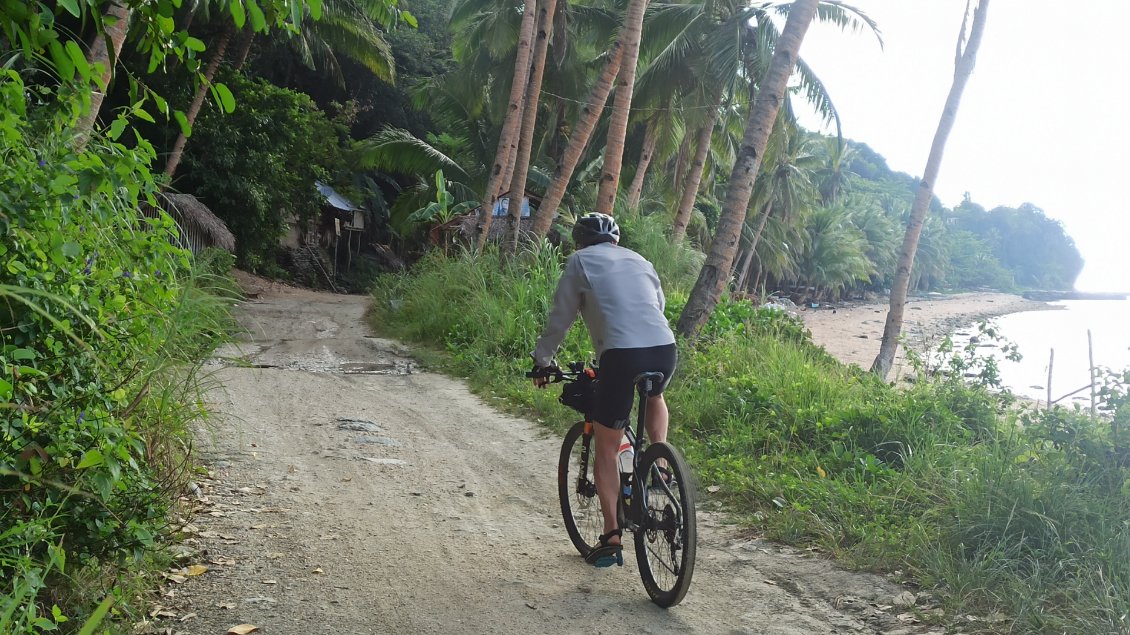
351 492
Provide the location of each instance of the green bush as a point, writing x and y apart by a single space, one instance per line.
256 167
98 316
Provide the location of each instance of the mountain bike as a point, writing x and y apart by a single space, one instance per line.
656 502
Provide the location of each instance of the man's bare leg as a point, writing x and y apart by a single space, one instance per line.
607 473
656 419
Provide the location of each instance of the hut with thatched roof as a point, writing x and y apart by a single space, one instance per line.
199 227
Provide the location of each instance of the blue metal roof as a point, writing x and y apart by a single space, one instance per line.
335 199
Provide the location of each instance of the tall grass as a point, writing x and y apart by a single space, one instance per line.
1000 509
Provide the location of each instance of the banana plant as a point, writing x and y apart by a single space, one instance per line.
440 211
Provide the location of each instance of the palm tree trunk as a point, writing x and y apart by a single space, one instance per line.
117 24
754 286
964 63
753 242
244 49
511 125
530 117
762 114
635 191
508 171
682 158
694 176
621 108
560 134
586 122
761 222
743 265
198 100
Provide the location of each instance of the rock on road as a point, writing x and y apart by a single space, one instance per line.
350 492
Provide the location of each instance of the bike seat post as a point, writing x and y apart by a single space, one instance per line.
645 382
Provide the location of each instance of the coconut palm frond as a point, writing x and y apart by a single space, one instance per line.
398 151
600 24
847 17
382 12
539 178
358 39
666 25
817 95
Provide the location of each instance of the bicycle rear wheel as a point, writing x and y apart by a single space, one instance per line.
666 539
576 487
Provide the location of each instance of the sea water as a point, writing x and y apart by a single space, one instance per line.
1063 328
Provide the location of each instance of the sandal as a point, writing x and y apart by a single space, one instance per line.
607 555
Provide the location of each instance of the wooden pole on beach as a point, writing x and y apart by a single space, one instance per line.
1091 358
1051 363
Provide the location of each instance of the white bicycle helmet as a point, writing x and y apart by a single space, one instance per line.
594 228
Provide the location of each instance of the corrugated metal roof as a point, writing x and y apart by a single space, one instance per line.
335 199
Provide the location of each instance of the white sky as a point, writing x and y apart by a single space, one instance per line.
1044 118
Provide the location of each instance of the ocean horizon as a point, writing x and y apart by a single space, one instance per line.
1063 328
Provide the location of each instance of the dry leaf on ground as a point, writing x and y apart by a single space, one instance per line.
242 629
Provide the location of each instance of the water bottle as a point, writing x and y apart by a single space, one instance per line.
627 456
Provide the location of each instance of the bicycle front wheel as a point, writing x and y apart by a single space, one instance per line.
666 539
576 487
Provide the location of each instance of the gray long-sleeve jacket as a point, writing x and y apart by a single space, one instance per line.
617 292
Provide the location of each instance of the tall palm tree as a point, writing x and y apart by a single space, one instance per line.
511 126
778 252
647 152
546 12
103 55
586 122
220 47
763 113
693 178
621 106
834 256
832 176
785 184
720 47
880 231
964 62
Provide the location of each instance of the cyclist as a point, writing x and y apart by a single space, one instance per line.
618 294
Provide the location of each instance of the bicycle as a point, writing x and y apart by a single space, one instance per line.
656 502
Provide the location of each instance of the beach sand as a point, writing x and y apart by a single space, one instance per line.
852 334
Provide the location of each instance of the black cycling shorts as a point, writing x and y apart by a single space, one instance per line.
615 391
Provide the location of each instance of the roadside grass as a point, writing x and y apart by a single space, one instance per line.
1017 520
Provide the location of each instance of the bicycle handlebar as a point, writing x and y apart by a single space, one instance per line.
554 374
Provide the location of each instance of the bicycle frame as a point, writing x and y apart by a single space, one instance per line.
644 383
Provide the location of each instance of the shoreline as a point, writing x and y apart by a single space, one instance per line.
852 333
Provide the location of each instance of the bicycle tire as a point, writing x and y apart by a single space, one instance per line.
580 506
666 539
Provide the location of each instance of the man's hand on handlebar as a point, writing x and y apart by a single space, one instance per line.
543 375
